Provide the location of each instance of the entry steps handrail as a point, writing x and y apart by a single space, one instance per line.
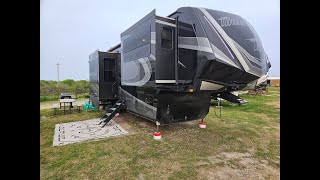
111 112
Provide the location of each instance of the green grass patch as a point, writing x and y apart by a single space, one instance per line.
252 128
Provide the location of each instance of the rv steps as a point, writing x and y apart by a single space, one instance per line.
111 112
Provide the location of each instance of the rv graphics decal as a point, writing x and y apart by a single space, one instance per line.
203 44
227 21
248 67
129 79
256 46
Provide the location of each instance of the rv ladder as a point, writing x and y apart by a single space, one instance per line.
111 112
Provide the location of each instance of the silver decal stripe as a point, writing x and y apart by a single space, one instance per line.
152 57
134 67
198 48
228 40
203 44
153 37
165 81
251 58
262 79
181 64
219 54
145 104
95 87
165 17
165 23
147 73
219 36
253 70
188 40
210 86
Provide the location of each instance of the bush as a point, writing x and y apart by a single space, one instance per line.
51 90
49 98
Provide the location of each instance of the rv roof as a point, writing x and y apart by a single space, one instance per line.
115 47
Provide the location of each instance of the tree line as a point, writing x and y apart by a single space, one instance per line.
54 88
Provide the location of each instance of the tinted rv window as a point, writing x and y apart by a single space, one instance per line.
109 70
187 57
166 38
185 26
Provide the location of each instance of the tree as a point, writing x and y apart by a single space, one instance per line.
81 87
44 89
62 88
49 88
77 88
69 82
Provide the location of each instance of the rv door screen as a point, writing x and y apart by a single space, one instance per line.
166 38
109 70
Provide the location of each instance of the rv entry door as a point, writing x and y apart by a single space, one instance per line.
166 62
109 77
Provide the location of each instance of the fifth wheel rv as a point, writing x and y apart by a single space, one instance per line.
167 69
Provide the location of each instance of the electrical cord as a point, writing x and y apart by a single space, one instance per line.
219 105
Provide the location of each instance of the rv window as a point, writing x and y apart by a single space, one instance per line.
166 38
186 28
109 70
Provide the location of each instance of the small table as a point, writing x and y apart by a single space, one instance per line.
64 101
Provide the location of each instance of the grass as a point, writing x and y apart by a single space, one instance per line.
252 128
48 98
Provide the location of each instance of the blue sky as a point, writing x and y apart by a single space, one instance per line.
70 30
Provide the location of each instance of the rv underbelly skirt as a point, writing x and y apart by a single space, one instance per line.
178 107
171 107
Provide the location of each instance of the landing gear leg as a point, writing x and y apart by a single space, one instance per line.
157 135
157 123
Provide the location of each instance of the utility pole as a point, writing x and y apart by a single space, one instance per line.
58 70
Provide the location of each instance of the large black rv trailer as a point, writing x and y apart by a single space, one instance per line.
167 68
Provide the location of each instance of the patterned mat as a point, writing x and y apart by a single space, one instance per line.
75 132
